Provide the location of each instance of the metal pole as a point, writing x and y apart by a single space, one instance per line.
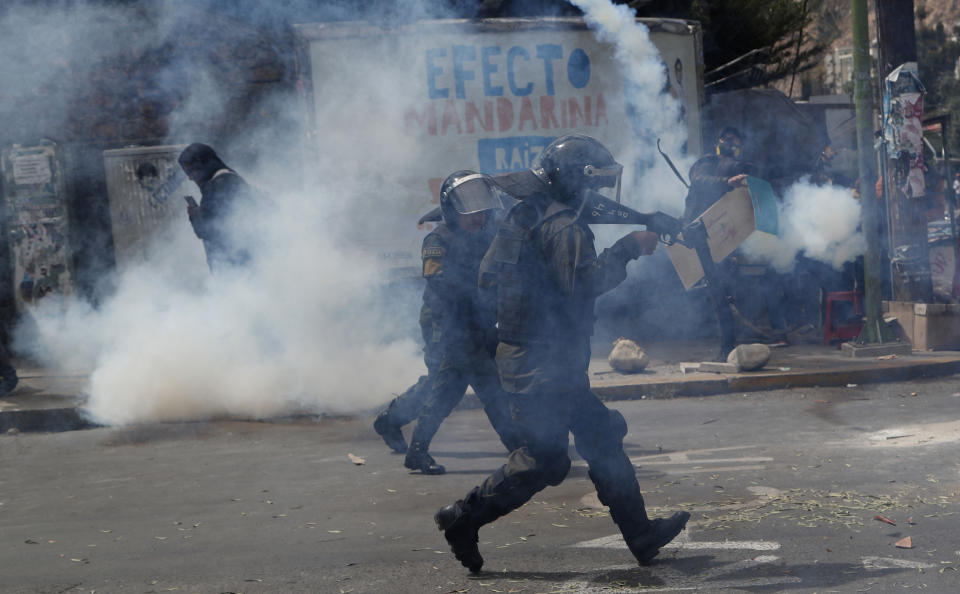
875 330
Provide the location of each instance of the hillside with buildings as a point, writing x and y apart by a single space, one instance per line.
832 27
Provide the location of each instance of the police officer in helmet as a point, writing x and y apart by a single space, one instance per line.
547 275
458 325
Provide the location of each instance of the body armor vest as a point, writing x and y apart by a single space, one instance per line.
531 308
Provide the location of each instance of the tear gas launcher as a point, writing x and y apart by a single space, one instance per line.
597 209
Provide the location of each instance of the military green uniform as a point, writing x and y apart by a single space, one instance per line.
547 276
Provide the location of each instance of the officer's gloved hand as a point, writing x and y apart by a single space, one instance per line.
645 242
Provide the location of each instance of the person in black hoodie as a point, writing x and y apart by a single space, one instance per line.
711 177
222 191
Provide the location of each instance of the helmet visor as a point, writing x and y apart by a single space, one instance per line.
605 177
473 193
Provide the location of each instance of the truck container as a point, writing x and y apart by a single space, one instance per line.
411 104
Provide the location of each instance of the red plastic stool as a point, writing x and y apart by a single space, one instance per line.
833 331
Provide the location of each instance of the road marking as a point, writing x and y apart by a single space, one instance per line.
718 469
682 542
729 585
738 566
703 464
680 460
706 581
892 563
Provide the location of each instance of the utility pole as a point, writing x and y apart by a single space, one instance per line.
907 232
896 36
875 330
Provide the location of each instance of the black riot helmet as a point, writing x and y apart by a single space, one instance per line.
578 162
466 192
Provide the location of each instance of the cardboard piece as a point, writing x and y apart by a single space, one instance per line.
729 222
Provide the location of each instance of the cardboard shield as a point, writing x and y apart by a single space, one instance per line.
729 222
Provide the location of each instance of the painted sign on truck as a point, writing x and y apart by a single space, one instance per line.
433 97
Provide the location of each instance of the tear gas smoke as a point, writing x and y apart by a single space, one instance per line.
655 114
303 328
297 331
819 222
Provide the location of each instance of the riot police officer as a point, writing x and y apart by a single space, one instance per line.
457 323
547 276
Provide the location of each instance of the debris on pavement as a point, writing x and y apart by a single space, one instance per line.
356 459
749 357
885 520
714 367
627 356
904 543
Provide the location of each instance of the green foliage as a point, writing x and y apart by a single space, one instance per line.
937 55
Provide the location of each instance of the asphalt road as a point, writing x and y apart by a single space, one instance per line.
784 488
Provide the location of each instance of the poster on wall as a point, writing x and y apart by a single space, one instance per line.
36 224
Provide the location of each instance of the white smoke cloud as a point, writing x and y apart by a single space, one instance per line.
297 331
307 327
655 113
819 222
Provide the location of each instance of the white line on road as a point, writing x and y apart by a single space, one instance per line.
740 545
703 460
892 563
716 469
739 565
701 464
729 585
616 542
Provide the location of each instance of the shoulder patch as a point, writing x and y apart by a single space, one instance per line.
432 267
433 252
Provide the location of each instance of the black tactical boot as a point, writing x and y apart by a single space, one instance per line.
390 433
461 534
418 459
659 532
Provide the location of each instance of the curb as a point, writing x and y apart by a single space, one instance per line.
751 382
49 420
636 387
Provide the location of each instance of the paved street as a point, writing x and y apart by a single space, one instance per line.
784 488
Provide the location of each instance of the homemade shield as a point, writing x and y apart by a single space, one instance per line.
728 222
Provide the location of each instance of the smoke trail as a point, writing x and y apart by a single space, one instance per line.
655 114
819 222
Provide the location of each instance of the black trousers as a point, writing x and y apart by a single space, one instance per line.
449 385
545 419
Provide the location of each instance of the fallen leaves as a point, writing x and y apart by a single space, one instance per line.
810 508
